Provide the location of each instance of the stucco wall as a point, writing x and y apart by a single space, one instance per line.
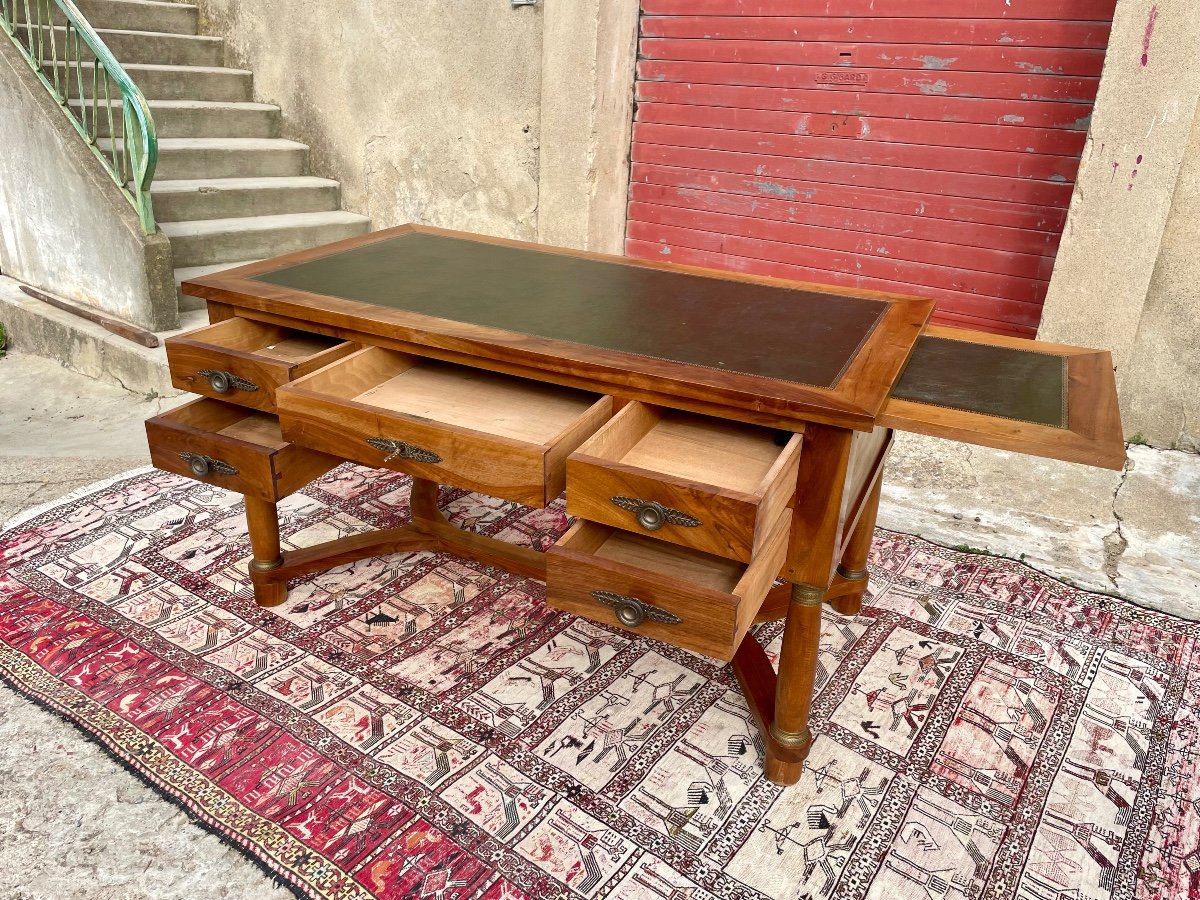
589 49
1121 278
426 111
1161 379
515 122
64 225
472 115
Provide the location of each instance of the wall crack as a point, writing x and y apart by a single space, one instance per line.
1115 542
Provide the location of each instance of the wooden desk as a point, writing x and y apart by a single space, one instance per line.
713 432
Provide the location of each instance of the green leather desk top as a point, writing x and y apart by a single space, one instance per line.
775 332
719 344
1023 385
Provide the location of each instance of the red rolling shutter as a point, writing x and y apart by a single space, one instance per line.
885 144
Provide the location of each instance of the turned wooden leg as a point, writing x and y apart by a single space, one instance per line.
794 687
853 566
262 521
423 501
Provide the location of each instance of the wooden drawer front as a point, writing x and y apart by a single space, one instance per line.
690 599
234 448
244 361
692 480
503 436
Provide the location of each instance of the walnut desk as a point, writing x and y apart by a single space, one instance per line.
713 432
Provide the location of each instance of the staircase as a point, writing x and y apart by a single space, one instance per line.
228 190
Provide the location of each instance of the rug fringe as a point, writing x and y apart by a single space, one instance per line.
10 680
34 511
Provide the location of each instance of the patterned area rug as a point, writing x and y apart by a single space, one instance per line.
421 726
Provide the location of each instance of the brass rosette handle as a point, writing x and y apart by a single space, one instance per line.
632 612
202 466
222 382
403 450
652 515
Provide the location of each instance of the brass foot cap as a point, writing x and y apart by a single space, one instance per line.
265 565
853 574
791 738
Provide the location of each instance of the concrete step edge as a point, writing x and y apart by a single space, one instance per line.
186 272
139 33
204 38
265 183
241 145
198 105
160 4
230 143
134 68
170 16
201 228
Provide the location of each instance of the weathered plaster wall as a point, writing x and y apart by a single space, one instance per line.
1110 289
64 225
589 49
426 111
1161 381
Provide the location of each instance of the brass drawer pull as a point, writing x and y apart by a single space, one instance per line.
652 515
631 611
202 466
223 382
403 450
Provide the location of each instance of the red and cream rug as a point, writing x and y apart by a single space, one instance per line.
422 726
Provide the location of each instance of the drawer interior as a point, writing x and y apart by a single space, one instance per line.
727 455
516 408
296 346
272 341
656 557
232 421
256 429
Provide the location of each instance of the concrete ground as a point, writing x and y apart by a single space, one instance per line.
1134 533
73 823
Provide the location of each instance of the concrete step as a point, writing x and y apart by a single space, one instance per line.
167 82
212 241
188 303
223 198
201 118
151 47
136 15
82 346
180 158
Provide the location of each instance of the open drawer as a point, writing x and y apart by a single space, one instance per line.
244 361
504 436
238 449
699 482
693 600
1009 393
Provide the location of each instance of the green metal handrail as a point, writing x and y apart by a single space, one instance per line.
128 154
